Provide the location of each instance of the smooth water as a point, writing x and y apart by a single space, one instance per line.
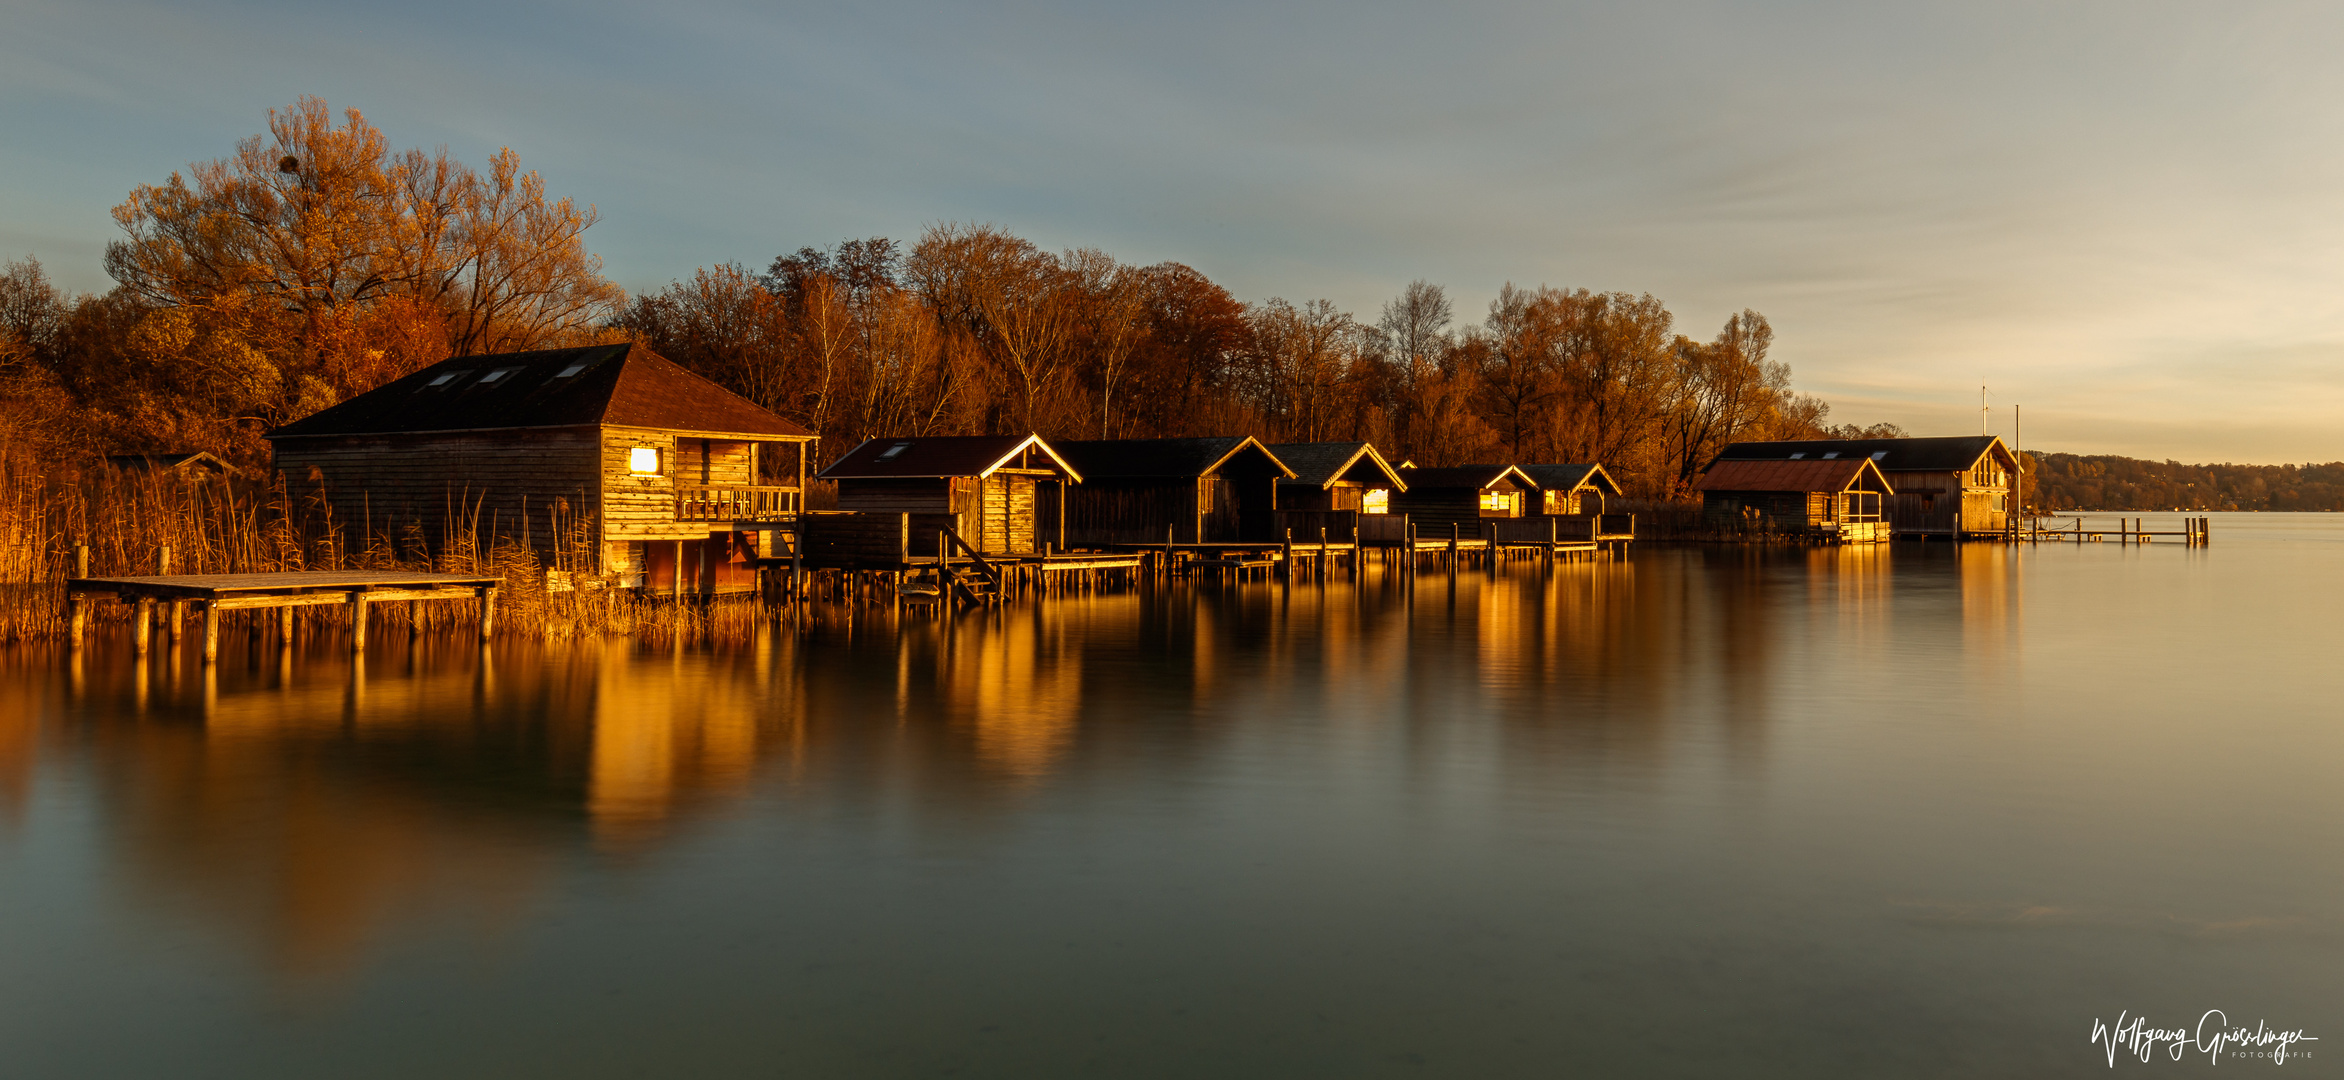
1911 810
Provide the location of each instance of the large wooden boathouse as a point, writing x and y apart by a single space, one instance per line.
1463 496
1953 486
662 479
1336 476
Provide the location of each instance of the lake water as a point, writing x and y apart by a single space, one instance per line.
1911 810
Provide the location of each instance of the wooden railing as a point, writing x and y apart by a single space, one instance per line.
735 502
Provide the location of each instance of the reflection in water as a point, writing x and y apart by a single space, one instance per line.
1476 784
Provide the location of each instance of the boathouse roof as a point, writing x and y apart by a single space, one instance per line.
1570 477
1467 476
197 462
1807 474
934 456
1325 464
1952 453
1099 459
624 385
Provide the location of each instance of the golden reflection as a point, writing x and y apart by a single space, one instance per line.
1017 681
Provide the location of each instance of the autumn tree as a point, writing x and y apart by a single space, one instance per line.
314 263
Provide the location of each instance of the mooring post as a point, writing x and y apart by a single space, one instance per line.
142 618
357 620
211 632
285 626
488 612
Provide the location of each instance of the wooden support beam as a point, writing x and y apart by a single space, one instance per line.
211 633
358 621
487 612
142 621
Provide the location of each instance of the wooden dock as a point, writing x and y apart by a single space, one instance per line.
215 593
2195 532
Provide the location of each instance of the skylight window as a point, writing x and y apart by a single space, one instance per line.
496 375
573 369
1879 455
447 377
1797 456
1828 455
889 454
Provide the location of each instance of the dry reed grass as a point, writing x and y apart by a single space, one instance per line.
235 526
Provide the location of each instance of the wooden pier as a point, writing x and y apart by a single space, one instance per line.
2195 532
216 593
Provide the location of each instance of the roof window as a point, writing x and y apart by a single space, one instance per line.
1830 454
499 373
447 377
1797 456
573 369
1879 455
890 452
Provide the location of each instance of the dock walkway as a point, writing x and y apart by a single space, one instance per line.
215 593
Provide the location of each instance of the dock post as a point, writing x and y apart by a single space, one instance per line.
81 560
487 612
176 611
285 626
142 626
211 632
357 620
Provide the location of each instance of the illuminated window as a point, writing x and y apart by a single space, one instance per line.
1376 501
1503 502
643 459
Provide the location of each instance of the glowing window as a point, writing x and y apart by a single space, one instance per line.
643 459
1376 501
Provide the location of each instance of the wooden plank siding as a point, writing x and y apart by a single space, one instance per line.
427 486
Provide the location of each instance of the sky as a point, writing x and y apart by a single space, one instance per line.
2125 218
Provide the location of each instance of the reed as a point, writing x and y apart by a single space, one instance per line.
216 525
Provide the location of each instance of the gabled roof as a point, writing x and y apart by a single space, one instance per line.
1570 477
1953 453
1467 476
1811 474
625 385
1100 459
932 456
1324 464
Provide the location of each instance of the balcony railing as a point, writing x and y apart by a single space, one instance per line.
735 502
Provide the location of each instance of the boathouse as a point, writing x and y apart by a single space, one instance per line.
1463 495
1568 490
607 459
1336 476
1953 486
1189 491
1007 492
1838 497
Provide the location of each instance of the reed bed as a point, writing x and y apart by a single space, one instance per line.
130 519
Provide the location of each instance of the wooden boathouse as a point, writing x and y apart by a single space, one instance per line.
1953 487
1568 490
1007 492
1837 498
662 479
1463 496
1187 491
1336 476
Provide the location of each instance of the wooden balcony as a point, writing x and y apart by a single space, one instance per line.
736 502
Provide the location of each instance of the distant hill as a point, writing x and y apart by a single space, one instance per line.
2108 482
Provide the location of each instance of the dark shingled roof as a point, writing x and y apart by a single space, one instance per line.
1103 458
1953 453
626 385
939 455
1321 464
1466 476
1570 477
1812 474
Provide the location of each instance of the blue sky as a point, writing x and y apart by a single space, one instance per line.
2127 217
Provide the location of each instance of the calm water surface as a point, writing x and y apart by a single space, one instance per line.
1903 811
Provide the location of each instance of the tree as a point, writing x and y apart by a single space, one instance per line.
316 263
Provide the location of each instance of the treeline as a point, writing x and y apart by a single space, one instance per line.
2107 482
315 263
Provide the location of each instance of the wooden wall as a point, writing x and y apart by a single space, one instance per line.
512 483
1103 512
1434 508
921 495
643 506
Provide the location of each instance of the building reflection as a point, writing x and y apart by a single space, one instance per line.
319 807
